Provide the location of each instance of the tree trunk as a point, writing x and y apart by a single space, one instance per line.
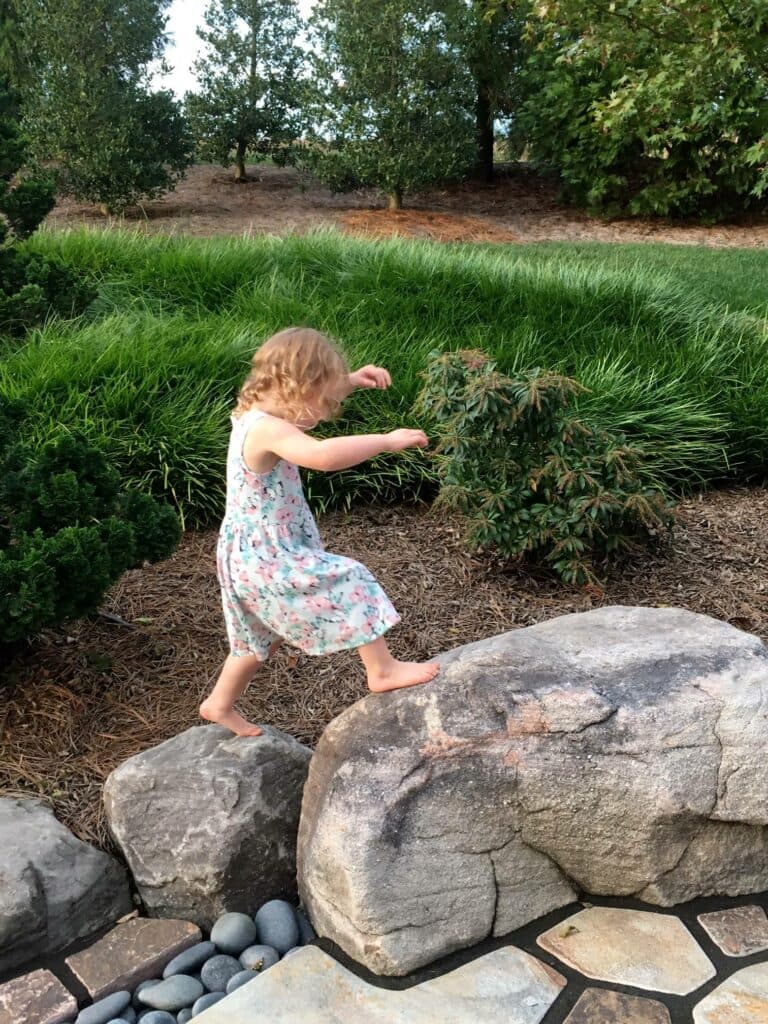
240 174
484 122
396 199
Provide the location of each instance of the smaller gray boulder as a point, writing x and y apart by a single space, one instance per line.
54 888
224 811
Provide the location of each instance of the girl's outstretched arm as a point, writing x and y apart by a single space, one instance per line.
288 442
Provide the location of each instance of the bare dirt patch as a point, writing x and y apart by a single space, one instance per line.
519 207
79 702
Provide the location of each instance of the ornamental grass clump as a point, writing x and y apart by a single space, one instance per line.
531 478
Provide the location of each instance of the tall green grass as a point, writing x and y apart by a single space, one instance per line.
152 369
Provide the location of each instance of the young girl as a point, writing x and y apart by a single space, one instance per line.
277 581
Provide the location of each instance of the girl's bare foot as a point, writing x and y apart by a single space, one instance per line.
229 718
399 674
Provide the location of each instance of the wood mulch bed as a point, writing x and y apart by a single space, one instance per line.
520 206
80 701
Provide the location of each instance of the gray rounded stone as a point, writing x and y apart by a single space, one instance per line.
56 889
217 971
306 931
157 1017
184 1016
190 959
174 993
247 794
209 999
127 1016
240 979
136 1002
233 933
291 951
259 958
104 1010
277 925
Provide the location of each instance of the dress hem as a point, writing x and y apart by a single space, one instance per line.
348 645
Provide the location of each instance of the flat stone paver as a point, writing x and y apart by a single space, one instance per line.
36 998
602 1006
132 952
738 931
507 985
630 947
741 999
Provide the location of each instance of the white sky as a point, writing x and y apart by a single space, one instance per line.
184 16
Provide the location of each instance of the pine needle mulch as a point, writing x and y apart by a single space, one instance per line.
80 701
427 224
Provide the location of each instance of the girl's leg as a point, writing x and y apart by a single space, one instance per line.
386 673
232 683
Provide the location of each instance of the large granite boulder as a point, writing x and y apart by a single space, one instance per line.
621 751
53 887
207 821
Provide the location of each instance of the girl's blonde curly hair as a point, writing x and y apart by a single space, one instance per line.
294 367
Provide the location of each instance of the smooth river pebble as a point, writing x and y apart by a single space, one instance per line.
174 993
137 1003
306 931
217 971
105 1009
259 958
233 932
240 979
277 925
192 958
209 999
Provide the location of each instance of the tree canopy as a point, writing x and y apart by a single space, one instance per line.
250 94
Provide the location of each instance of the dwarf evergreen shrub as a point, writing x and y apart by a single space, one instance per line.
67 529
532 479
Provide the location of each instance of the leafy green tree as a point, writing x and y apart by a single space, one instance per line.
90 109
250 88
489 33
394 99
14 65
31 285
651 108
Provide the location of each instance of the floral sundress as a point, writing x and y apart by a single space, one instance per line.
276 578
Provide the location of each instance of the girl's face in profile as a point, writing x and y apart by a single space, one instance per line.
316 409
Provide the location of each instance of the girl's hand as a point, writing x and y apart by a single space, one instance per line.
370 377
405 438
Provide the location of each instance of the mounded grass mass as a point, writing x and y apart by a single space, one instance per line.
672 343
